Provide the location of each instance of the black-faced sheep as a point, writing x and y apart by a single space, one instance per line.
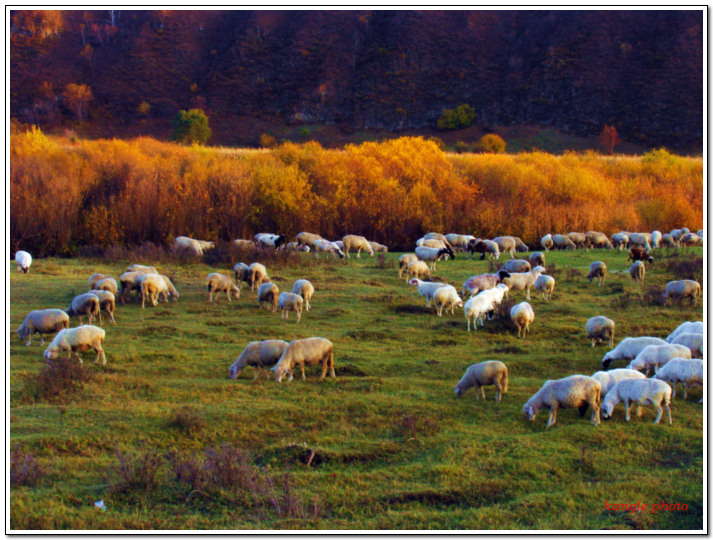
305 352
432 255
488 373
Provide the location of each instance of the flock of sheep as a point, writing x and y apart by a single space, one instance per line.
676 359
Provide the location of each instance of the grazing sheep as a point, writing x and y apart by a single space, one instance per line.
641 240
562 242
574 391
619 241
130 281
691 340
305 289
458 242
488 373
637 271
42 321
427 288
287 302
405 260
432 255
84 304
218 283
152 285
639 254
107 303
520 246
506 244
537 258
599 329
484 302
474 284
378 248
516 265
668 241
294 246
523 316
241 271
596 239
77 340
95 279
484 246
518 281
656 239
308 239
431 243
446 298
597 270
687 371
325 246
641 392
305 352
579 239
106 284
690 239
676 234
546 286
358 243
629 348
270 240
656 356
141 269
438 236
268 293
244 244
682 289
417 269
694 327
609 378
170 289
546 242
257 275
187 245
259 355
23 260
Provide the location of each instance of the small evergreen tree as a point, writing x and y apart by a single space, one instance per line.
460 117
191 127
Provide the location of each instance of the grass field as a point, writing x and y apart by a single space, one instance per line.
387 445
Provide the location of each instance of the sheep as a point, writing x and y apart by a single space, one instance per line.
656 356
259 355
241 271
488 373
458 242
690 239
438 236
378 248
642 240
695 327
357 243
641 392
537 258
520 246
84 304
682 289
129 281
687 371
600 328
96 278
562 242
325 246
474 284
446 298
427 288
579 239
676 234
270 240
546 242
639 254
107 303
545 285
516 265
305 352
574 391
77 340
637 271
524 280
257 275
668 241
597 239
294 246
141 269
609 378
597 270
656 239
305 289
691 340
477 245
506 244
482 303
432 255
287 302
417 269
106 284
218 283
619 241
244 244
431 243
308 239
170 289
629 348
152 285
404 261
188 245
268 293
23 260
523 316
42 321
700 233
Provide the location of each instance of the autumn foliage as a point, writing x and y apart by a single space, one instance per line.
110 192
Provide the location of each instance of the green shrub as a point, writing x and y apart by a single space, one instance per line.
462 147
191 127
491 143
460 117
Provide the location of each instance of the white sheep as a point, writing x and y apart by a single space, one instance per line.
676 234
84 304
459 242
259 355
545 285
42 321
170 289
305 289
244 244
629 348
190 246
693 327
690 239
308 239
682 289
294 246
130 281
431 243
23 260
426 288
77 340
305 352
668 241
427 254
378 248
579 239
438 236
404 261
506 244
482 282
562 242
268 293
609 378
687 371
107 284
241 271
476 245
446 298
107 303
488 373
546 242
656 239
142 269
218 283
642 240
641 392
519 281
358 243
537 258
600 328
516 265
325 246
619 241
287 302
152 285
692 340
637 271
257 275
597 239
575 391
598 269
417 269
484 302
523 316
656 356
94 279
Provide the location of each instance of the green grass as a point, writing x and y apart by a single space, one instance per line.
393 448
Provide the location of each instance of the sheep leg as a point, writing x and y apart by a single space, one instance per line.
553 416
675 384
684 389
626 408
468 319
596 419
482 392
302 369
668 411
499 392
331 365
659 413
299 316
